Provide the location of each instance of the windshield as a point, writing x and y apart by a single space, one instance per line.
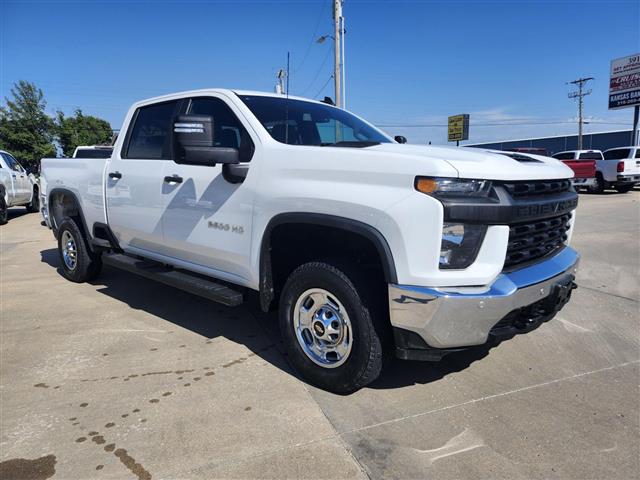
296 122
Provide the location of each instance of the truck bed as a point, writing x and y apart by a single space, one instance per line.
83 177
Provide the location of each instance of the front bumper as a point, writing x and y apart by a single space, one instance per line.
449 318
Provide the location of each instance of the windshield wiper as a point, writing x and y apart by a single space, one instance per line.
351 144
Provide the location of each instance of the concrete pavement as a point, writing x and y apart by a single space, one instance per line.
126 378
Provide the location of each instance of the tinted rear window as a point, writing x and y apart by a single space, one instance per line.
618 154
590 156
150 137
94 153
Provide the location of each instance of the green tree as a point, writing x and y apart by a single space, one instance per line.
81 130
26 131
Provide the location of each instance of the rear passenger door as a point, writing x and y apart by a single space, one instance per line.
135 179
207 220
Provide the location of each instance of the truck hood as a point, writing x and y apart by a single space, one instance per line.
481 164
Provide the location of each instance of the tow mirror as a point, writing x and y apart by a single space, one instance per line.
195 144
400 139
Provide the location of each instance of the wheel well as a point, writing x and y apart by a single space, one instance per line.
64 204
290 245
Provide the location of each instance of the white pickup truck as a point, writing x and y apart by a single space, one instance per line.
368 247
17 187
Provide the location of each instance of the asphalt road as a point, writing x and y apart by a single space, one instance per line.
126 378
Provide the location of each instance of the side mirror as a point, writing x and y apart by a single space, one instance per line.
400 139
194 142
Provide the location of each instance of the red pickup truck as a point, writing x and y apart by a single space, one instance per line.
582 162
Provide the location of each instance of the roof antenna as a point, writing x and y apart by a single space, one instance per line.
286 108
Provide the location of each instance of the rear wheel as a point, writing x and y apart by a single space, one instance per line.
79 264
624 188
34 204
599 184
4 214
328 328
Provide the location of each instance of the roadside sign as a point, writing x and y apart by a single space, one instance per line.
458 128
624 84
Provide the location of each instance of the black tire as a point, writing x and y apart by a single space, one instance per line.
364 362
34 204
599 185
87 265
624 188
4 213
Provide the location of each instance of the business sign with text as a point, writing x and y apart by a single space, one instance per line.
624 85
458 128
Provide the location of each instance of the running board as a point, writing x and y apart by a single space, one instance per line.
175 278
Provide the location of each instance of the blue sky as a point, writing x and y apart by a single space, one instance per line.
407 62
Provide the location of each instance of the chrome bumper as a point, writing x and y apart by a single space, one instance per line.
583 182
463 316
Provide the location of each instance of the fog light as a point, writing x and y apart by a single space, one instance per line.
460 244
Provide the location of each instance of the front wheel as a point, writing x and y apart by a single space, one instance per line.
79 264
328 328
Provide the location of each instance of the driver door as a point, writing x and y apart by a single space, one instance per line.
207 220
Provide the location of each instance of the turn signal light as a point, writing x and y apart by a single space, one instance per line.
426 185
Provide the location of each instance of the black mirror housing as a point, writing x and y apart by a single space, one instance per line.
400 139
194 142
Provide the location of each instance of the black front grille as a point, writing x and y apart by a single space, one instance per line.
528 241
537 187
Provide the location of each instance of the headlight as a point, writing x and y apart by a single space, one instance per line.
460 244
455 187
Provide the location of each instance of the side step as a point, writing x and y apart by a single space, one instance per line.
175 278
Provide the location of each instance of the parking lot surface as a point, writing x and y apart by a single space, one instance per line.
126 378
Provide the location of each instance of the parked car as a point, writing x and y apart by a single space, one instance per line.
92 151
17 187
533 150
619 169
583 164
368 247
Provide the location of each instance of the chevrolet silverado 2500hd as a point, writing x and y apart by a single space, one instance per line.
367 246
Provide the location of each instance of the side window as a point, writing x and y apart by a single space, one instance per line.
618 154
12 163
228 130
150 136
638 153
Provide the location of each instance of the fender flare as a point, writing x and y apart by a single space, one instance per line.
71 194
327 220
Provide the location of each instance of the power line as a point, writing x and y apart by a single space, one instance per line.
324 61
323 87
313 37
424 125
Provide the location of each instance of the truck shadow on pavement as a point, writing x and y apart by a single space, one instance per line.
248 325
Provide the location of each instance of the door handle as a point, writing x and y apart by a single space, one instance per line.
115 175
173 179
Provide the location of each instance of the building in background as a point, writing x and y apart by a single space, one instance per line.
590 141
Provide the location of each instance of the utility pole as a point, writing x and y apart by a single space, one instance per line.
580 94
337 34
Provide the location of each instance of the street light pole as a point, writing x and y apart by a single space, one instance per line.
337 23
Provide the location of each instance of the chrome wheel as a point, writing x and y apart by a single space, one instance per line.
323 328
69 251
